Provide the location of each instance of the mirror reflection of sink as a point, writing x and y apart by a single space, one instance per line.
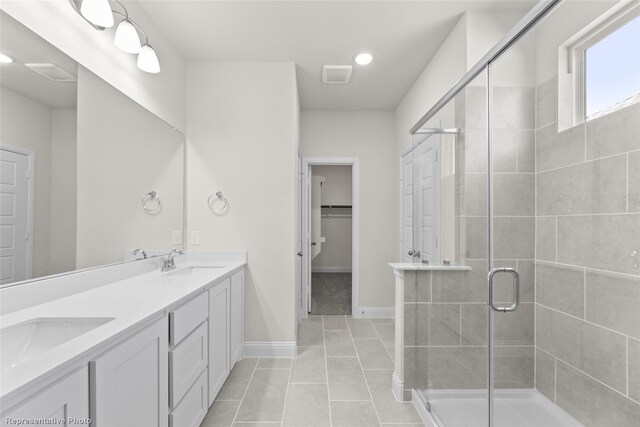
29 339
187 271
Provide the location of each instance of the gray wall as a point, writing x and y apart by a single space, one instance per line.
587 283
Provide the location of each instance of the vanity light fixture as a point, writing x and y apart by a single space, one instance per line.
127 37
98 12
148 60
4 59
363 58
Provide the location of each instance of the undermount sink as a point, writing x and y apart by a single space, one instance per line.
187 271
29 339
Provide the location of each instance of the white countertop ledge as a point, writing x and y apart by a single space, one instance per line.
134 303
407 266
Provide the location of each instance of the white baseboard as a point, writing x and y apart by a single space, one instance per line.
397 387
379 312
270 349
331 269
426 416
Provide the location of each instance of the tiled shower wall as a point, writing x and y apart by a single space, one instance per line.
588 263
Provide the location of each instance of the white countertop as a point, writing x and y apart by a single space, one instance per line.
133 303
401 266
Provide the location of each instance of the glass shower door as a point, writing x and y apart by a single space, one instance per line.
452 342
512 183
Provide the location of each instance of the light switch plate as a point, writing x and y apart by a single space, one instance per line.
177 237
195 237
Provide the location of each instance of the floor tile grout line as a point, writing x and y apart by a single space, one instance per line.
383 344
326 370
245 392
286 396
364 376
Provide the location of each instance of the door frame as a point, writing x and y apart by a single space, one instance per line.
307 162
31 200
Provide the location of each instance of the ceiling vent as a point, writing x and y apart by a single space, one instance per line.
336 74
52 72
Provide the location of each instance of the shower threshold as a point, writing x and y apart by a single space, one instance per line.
512 408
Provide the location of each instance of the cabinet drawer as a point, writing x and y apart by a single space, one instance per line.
187 360
193 408
187 317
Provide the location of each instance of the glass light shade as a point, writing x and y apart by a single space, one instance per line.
127 38
148 60
4 59
98 12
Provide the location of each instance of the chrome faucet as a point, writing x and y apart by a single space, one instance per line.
169 263
139 251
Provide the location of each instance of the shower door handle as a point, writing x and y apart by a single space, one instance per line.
516 289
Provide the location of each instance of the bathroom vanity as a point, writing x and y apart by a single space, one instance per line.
151 349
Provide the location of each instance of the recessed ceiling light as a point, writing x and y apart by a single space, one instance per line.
363 58
4 59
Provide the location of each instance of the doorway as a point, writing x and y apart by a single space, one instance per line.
330 237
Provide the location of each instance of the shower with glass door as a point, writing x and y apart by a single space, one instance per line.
536 198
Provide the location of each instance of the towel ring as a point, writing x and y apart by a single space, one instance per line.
217 199
151 202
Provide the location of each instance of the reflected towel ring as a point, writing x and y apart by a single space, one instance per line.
151 202
219 200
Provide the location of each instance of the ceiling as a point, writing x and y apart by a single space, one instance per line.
403 35
24 46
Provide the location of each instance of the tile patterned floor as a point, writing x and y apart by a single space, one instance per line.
341 377
331 293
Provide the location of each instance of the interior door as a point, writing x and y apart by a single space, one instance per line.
14 200
426 188
406 208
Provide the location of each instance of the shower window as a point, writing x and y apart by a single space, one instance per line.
604 61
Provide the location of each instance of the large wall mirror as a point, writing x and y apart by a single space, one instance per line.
87 174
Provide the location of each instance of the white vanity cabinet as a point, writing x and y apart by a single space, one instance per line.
219 336
129 383
66 399
162 373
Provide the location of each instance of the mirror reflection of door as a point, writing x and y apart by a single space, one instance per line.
15 256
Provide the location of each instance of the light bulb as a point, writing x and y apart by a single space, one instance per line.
148 60
364 58
98 12
127 37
